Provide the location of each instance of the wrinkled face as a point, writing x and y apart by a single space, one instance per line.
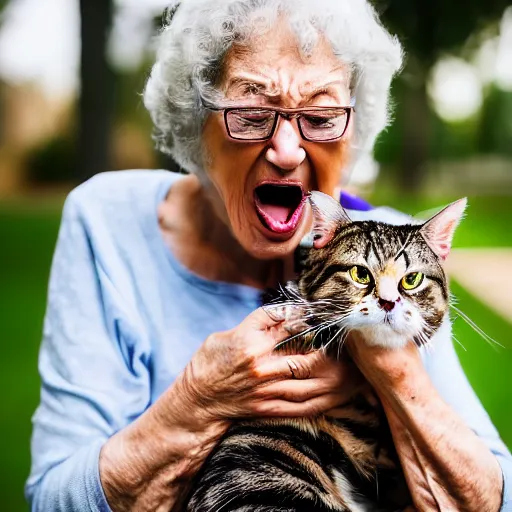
258 188
380 279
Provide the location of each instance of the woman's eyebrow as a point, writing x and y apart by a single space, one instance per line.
332 88
248 81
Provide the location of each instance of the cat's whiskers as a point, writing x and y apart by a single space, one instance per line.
336 320
343 333
491 341
324 326
294 336
459 343
316 329
343 339
424 336
424 342
331 340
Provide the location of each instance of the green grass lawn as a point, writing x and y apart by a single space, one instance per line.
28 241
487 367
29 236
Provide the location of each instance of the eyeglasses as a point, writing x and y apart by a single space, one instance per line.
316 124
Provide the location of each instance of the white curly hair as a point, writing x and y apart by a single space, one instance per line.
198 34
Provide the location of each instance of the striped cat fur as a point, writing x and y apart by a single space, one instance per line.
347 463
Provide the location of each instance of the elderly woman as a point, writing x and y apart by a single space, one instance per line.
154 341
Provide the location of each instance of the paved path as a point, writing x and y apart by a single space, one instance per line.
486 274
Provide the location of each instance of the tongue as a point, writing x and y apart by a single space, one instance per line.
277 212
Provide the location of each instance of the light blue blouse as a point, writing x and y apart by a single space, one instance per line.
123 319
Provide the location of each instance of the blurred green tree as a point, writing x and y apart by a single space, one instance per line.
427 30
495 130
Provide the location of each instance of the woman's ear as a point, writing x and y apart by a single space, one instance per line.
328 215
439 230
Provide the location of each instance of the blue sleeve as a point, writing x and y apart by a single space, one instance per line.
448 376
94 375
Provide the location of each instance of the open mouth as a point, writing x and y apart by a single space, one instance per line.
280 206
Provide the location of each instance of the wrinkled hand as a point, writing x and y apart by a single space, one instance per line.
236 374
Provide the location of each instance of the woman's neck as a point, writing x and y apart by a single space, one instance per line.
204 244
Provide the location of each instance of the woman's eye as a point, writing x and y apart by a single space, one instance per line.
360 275
319 121
412 280
254 120
253 89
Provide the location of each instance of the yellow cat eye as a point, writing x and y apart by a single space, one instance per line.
412 280
360 275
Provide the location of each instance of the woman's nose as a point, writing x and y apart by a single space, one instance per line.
285 150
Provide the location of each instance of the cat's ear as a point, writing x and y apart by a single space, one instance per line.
328 215
439 230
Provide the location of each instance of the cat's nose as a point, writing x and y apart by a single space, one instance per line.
386 305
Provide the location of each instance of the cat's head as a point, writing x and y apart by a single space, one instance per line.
385 280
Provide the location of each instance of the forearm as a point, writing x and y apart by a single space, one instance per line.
446 465
150 464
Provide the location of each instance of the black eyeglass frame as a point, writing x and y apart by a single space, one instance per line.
287 113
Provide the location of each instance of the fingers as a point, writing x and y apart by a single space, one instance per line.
266 317
289 367
296 390
267 327
291 316
271 322
312 407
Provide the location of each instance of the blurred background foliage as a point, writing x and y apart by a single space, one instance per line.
73 109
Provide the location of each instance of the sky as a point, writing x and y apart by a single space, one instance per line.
39 42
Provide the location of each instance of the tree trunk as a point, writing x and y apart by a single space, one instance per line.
416 136
96 104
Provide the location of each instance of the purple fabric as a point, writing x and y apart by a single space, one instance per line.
351 202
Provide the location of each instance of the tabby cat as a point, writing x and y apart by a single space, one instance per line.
386 281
